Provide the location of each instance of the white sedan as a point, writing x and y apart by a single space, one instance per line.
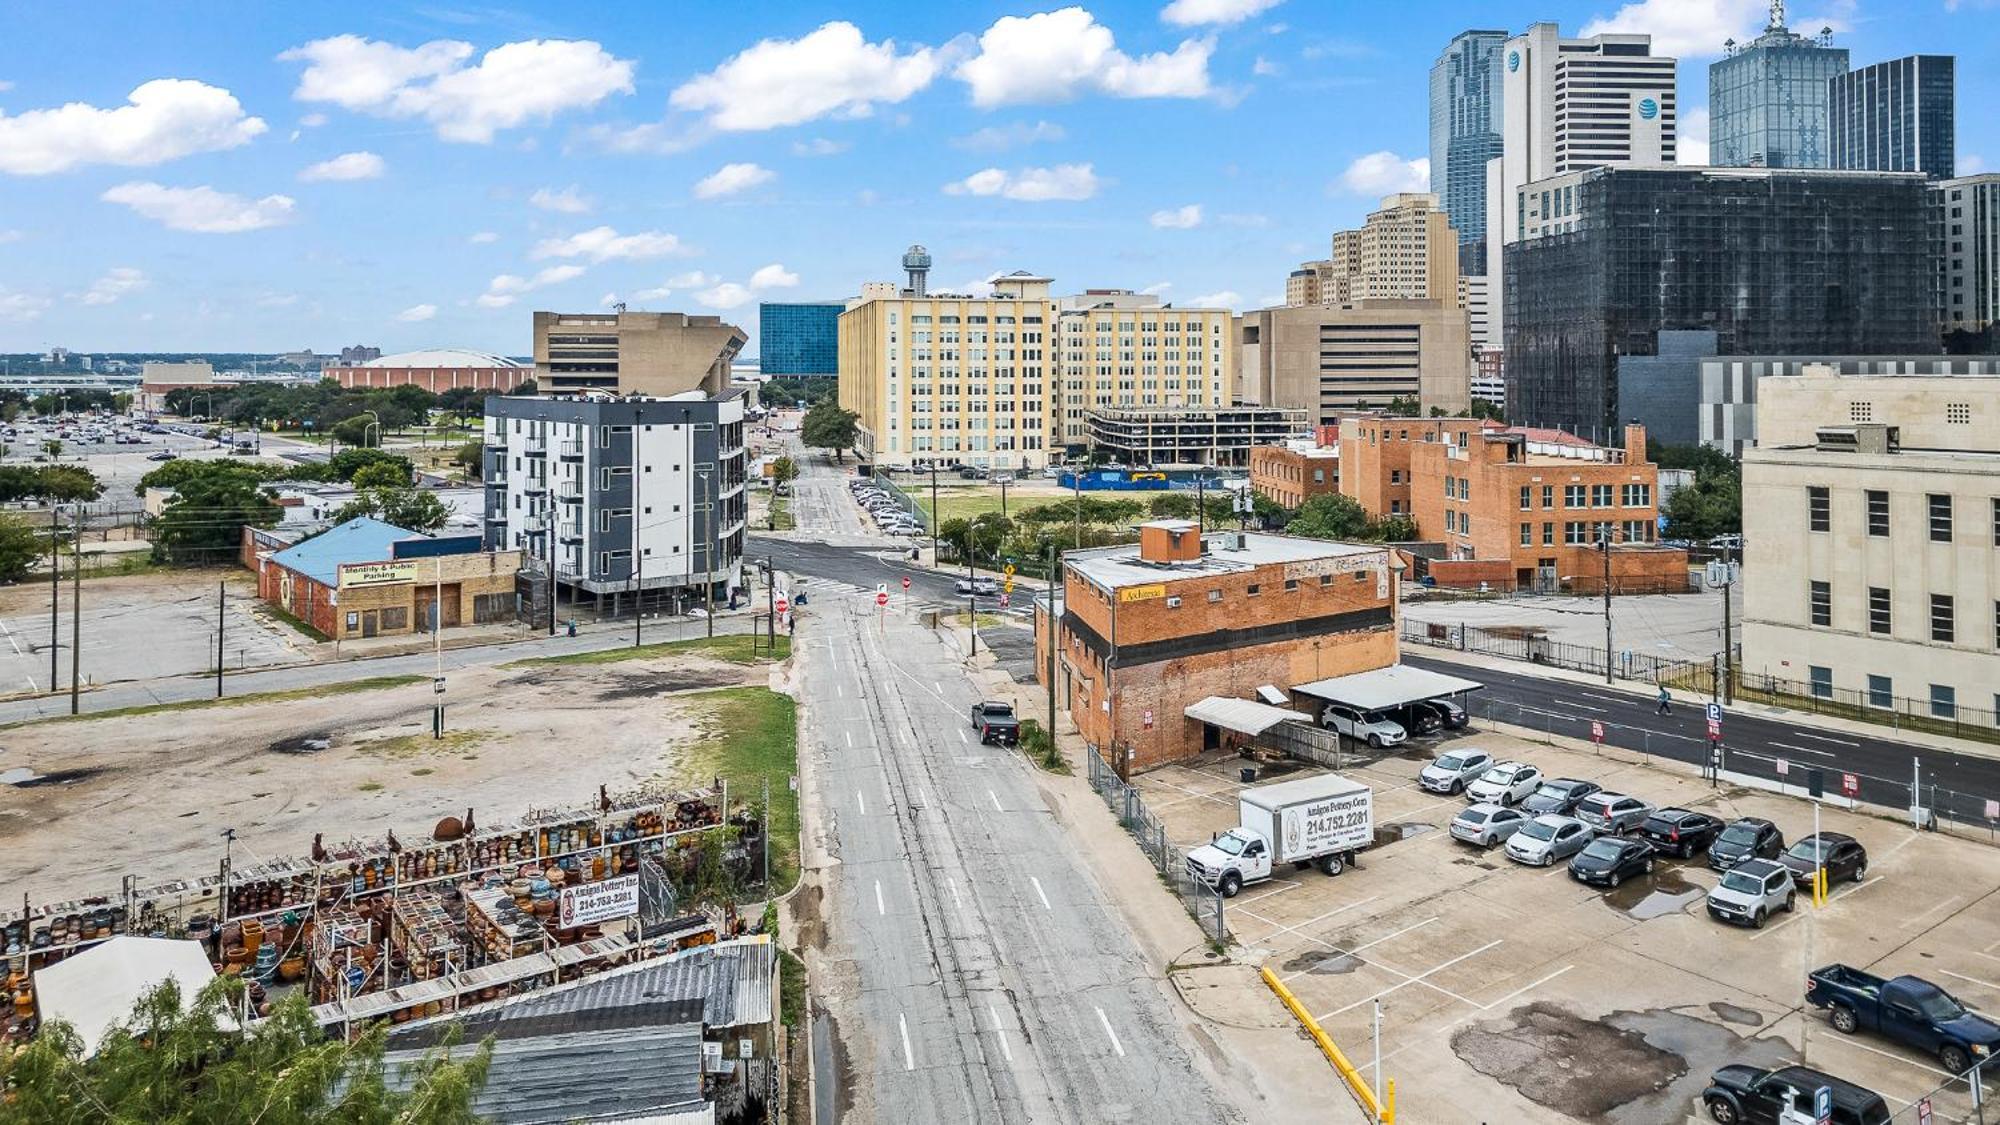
1505 783
1548 838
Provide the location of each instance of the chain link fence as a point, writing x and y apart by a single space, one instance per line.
1533 648
1912 799
1203 902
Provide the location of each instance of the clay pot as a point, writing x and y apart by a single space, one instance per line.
292 968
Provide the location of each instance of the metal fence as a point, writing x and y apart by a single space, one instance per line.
1203 902
1912 799
1924 716
1693 675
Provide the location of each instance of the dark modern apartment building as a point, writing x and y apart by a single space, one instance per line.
1773 261
1895 116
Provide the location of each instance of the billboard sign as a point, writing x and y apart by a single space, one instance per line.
591 903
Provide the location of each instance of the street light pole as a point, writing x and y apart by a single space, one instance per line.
76 614
1604 546
708 547
55 591
638 551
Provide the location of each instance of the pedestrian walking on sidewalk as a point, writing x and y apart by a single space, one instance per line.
1666 703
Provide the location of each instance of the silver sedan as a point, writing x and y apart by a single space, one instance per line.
1548 838
1486 824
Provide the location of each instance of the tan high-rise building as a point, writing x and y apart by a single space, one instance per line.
625 353
1331 359
1404 251
952 378
1125 351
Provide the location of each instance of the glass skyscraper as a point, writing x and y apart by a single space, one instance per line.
1895 116
799 338
1767 101
1774 262
1465 134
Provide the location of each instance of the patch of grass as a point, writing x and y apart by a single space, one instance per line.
126 565
370 787
791 989
372 683
297 625
781 515
750 735
734 648
963 502
410 745
424 771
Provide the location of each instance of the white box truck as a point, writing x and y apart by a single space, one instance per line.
1322 820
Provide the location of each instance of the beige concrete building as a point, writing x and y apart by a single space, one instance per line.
1124 353
1404 251
1330 359
646 353
952 378
1871 533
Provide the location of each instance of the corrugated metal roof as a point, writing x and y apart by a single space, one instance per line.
1388 687
614 1075
1242 715
358 540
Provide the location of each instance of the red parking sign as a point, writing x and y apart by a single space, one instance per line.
783 605
1597 732
1850 785
1993 810
906 582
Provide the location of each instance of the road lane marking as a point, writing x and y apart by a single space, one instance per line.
965 738
1797 733
850 739
996 801
862 801
838 690
1287 885
1045 900
1000 1029
1417 979
1796 915
1115 1044
955 900
1623 701
909 1059
1800 749
879 907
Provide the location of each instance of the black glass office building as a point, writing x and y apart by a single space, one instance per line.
1774 262
798 338
1767 102
1466 133
1895 116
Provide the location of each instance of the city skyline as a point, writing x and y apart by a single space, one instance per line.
390 178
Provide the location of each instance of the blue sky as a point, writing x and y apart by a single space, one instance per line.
208 176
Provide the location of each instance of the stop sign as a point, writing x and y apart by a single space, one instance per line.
783 605
906 582
882 598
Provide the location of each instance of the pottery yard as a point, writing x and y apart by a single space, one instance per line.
392 874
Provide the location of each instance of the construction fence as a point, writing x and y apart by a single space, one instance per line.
1912 799
1203 902
1535 648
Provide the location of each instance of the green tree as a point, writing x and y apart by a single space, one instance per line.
382 474
955 532
66 484
827 426
412 508
1172 506
1393 529
986 532
526 387
784 470
174 474
358 430
1332 516
347 463
472 458
463 403
177 1064
20 546
1402 406
53 448
205 521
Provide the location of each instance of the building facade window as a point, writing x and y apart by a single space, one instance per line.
1944 701
1942 625
1820 600
1878 609
1940 509
1819 508
1881 692
1820 681
1527 535
1878 513
1527 496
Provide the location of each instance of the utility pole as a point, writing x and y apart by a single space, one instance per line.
1604 545
55 591
708 540
770 602
221 610
1055 633
1728 645
1076 482
638 551
934 513
437 650
76 614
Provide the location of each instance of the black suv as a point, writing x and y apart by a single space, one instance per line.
1680 832
1748 838
1841 855
1747 1095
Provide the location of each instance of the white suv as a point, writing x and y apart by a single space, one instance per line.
1751 891
1505 783
1451 772
1373 727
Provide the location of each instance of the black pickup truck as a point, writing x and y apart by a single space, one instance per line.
995 722
1910 1010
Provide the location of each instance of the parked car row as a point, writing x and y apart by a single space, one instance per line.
1611 837
888 514
1393 726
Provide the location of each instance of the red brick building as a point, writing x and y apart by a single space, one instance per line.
1148 629
437 371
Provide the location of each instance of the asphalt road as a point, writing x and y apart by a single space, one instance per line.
1752 744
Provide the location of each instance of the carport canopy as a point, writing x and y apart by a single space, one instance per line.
1244 716
1394 686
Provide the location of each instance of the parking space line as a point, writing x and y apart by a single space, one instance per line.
1039 893
1000 1029
1945 905
1115 1044
1281 928
1969 980
1796 915
861 801
1418 979
991 796
1524 988
1288 884
879 907
1356 951
909 1059
1905 1059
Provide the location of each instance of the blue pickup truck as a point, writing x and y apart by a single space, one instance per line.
1911 1011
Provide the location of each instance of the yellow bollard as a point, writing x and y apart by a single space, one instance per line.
1389 1110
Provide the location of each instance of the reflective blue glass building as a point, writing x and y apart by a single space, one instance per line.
798 338
1465 134
1767 101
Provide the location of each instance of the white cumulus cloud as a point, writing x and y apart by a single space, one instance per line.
568 201
1030 185
819 146
1179 218
773 276
1691 137
162 120
1186 13
1057 56
731 179
727 295
346 166
480 238
692 279
119 281
417 314
1696 29
832 70
510 85
504 288
203 210
1385 173
15 305
604 244
996 138
1224 299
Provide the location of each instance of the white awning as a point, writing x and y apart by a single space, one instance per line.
1393 686
1242 715
95 990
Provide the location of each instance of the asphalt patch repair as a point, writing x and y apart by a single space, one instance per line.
1555 1058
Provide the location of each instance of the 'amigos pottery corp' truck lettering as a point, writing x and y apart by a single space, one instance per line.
1320 820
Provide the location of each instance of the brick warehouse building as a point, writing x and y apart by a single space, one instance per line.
366 578
1147 630
1288 475
437 371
